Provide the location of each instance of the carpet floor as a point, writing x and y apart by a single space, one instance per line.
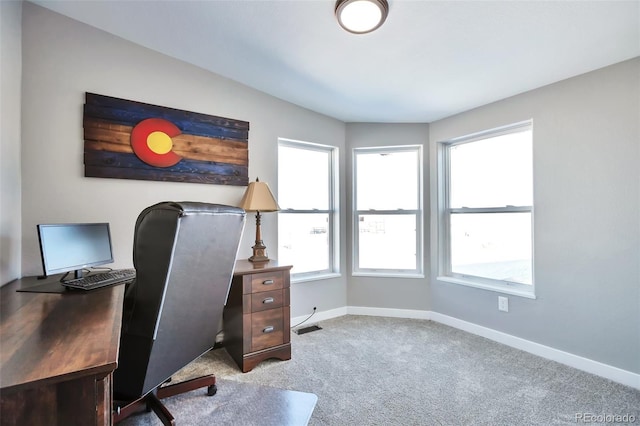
392 371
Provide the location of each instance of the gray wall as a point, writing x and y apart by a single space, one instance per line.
10 85
587 218
587 180
384 292
63 59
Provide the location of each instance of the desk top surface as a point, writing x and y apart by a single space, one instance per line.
55 337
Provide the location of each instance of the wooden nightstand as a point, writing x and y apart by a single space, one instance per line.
257 314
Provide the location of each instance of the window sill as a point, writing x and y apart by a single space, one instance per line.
506 288
386 275
302 279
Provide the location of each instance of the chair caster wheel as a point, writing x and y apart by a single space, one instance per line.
212 390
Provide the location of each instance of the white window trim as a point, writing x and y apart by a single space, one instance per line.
419 213
444 273
333 270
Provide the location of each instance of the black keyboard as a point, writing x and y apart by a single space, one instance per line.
120 276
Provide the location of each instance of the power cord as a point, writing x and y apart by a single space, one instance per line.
306 319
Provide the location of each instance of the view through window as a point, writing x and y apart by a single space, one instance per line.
388 210
307 219
489 207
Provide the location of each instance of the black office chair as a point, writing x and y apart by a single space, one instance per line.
184 255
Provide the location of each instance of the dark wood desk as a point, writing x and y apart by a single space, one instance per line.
57 355
257 314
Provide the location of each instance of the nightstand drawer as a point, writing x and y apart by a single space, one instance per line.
267 281
257 315
267 329
267 300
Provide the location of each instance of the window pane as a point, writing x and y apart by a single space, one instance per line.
303 178
493 172
303 240
492 245
387 241
387 181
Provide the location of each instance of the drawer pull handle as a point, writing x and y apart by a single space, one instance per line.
268 329
267 282
268 300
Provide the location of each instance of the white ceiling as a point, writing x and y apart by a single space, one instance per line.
430 60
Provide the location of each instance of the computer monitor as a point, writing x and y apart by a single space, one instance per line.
68 247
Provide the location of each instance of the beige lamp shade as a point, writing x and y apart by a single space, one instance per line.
258 198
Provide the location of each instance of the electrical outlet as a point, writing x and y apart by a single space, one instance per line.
503 304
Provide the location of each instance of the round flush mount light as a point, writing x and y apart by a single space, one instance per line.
361 16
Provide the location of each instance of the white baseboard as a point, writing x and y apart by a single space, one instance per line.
615 374
319 316
387 312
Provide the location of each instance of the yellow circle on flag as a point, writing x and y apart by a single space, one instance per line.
159 142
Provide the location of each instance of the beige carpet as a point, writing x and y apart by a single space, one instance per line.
391 371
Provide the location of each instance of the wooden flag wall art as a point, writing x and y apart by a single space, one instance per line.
132 140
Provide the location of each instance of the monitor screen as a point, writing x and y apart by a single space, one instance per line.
73 246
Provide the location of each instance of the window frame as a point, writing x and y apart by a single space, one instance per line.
333 211
418 272
444 271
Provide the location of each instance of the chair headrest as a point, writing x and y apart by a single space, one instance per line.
194 207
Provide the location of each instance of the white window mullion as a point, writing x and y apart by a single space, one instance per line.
486 211
308 219
387 213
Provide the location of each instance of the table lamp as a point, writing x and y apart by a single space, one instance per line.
258 198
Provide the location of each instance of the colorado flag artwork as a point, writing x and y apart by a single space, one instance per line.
133 140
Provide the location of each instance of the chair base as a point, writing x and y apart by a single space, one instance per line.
151 401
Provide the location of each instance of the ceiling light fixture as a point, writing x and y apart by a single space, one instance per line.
361 16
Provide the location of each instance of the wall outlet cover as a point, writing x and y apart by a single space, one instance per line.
503 304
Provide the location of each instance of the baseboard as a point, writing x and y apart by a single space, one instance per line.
615 374
387 312
319 316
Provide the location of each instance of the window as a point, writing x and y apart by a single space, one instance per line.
388 211
486 210
308 219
